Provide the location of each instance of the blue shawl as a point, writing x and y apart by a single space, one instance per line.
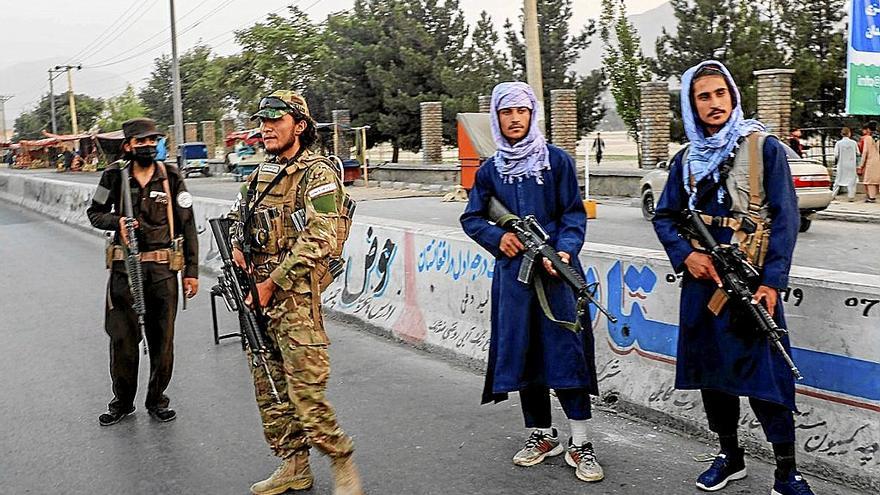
707 153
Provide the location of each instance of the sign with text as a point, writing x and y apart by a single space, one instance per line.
863 59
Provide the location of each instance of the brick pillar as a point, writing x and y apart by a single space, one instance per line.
341 146
484 102
563 119
563 124
209 136
774 99
432 132
190 132
228 126
171 144
655 123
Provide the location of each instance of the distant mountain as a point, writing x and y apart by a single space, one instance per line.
650 26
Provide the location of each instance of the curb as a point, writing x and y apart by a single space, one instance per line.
848 217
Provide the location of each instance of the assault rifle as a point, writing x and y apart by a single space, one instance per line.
739 278
133 258
535 238
235 284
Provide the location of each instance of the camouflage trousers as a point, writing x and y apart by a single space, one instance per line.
301 369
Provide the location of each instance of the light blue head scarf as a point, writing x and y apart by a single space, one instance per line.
707 153
529 156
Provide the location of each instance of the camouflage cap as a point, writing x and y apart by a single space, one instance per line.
281 102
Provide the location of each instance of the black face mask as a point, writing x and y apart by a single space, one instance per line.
144 155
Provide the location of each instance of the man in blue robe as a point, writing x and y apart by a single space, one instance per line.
721 354
529 353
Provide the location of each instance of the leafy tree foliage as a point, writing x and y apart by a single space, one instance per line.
201 88
623 62
119 109
30 125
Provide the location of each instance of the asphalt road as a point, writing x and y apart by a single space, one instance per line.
829 244
416 420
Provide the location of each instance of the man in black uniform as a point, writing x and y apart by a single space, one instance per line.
156 190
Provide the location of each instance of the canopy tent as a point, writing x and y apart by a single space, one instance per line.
248 136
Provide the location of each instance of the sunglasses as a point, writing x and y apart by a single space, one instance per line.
274 103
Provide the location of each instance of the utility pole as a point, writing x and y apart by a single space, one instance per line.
52 77
72 101
533 56
3 100
177 99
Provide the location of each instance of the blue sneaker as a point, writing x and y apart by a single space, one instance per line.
794 485
724 470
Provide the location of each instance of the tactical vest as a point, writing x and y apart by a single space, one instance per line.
276 226
744 184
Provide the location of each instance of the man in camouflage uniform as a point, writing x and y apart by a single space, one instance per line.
289 259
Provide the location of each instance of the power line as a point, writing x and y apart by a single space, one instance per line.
97 49
113 60
120 32
116 23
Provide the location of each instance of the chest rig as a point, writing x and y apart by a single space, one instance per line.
743 179
274 223
275 226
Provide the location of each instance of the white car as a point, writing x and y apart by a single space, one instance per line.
811 182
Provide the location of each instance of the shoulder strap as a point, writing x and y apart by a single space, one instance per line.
170 207
756 166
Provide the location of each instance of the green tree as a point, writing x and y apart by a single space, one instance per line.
30 125
623 63
284 52
749 36
119 109
817 38
490 65
559 51
591 111
201 86
391 55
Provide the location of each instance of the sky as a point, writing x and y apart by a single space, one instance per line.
116 41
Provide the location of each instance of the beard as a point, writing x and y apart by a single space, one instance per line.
280 144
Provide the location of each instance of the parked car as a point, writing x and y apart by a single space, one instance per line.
811 182
195 159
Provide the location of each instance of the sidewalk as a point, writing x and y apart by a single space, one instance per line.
856 211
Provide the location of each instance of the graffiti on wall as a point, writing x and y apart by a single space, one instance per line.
833 377
449 258
362 293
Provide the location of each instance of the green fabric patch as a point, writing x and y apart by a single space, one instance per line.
325 203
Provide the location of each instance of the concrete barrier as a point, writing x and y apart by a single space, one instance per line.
430 288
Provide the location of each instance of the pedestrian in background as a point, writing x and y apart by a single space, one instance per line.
846 158
529 353
869 167
599 147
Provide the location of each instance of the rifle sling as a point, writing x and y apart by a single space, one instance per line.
574 326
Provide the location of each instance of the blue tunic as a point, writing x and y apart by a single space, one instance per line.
525 347
713 352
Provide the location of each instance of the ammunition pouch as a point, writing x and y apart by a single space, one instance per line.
176 260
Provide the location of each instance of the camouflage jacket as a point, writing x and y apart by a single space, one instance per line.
295 255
